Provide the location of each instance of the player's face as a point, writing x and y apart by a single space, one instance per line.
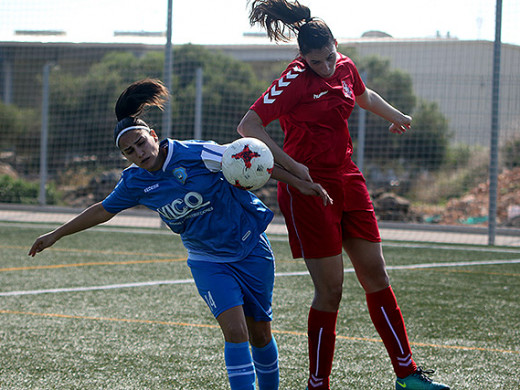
141 148
323 61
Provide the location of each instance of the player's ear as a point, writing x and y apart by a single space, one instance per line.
154 134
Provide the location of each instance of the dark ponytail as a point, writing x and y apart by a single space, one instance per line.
281 17
278 16
139 95
133 102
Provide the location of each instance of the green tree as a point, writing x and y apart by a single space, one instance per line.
426 145
394 86
12 124
511 153
229 88
82 107
18 129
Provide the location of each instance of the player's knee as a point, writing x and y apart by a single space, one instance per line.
330 296
375 282
234 331
235 334
380 279
260 339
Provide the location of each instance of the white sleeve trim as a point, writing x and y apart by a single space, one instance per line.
212 156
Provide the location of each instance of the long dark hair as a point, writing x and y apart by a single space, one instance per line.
134 100
281 17
139 95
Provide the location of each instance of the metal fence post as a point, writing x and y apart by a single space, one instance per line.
42 196
197 130
167 74
493 159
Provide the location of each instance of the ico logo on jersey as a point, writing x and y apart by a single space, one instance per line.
181 207
247 163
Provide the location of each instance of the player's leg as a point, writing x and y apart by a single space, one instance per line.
223 295
327 276
265 354
367 258
239 363
369 264
256 278
315 234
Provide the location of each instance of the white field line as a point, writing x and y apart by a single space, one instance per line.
452 247
94 288
278 274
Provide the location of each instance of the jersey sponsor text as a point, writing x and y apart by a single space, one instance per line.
180 208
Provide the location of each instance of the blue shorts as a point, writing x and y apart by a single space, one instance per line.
248 283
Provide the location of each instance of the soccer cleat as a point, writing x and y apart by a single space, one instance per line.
419 380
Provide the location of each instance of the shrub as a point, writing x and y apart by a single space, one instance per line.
21 191
511 153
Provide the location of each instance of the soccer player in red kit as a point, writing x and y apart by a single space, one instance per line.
313 99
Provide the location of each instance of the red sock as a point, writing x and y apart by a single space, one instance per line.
322 338
388 320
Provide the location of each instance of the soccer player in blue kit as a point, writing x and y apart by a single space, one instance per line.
221 226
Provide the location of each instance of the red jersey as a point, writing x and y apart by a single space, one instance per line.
313 112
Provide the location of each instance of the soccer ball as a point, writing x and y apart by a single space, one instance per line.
247 163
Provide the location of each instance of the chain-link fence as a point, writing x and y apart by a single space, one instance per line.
57 97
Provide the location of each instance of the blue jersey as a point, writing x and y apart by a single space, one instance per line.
216 221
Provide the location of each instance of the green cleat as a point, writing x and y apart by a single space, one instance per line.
419 380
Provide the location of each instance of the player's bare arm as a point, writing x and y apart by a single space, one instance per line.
304 186
251 126
92 216
371 101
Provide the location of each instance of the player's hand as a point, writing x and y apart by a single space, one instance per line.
41 243
401 126
314 189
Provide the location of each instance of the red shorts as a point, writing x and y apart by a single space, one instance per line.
317 231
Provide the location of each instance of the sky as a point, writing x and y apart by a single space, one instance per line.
226 21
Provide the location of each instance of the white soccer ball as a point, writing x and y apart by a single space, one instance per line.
247 163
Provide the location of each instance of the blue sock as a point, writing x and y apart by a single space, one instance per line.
239 365
266 366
